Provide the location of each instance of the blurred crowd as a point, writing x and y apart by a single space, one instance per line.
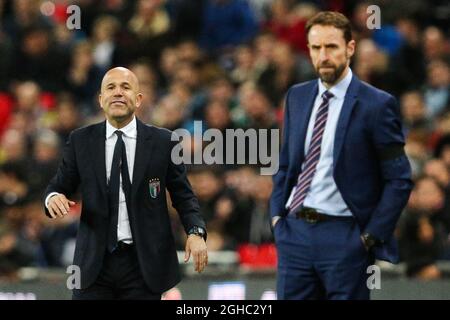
229 64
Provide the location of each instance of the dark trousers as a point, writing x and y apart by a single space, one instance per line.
325 260
119 279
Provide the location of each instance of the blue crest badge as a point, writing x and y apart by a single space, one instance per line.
154 187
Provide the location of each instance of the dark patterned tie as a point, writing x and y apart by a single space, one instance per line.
313 155
119 167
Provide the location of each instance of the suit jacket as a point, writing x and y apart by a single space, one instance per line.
83 165
370 167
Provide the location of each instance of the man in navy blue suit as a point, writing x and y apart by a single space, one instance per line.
343 178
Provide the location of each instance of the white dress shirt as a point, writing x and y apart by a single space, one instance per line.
129 138
323 194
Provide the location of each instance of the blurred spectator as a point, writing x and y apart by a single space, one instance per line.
13 146
260 231
24 15
84 78
222 90
6 59
260 8
218 116
237 210
435 44
181 91
28 98
284 70
186 17
442 150
37 58
407 67
57 238
151 25
44 161
188 74
287 22
437 170
103 36
441 128
29 110
19 246
416 150
119 9
169 113
189 51
386 36
209 189
437 88
413 110
148 84
68 117
259 110
168 64
371 64
219 89
226 23
249 206
13 184
244 69
64 37
150 19
263 44
420 234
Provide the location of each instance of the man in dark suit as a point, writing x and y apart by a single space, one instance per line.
125 248
343 178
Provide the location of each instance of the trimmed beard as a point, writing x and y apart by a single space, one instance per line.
331 78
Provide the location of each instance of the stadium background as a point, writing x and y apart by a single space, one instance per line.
227 63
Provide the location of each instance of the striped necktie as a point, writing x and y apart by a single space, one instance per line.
313 155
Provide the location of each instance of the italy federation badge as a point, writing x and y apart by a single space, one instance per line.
154 186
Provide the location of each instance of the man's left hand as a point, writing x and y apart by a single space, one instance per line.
365 244
197 246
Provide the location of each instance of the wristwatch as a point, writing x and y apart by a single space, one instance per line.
369 240
199 231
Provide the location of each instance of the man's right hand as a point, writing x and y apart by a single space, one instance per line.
59 206
275 220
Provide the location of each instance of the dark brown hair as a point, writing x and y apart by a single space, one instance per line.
331 18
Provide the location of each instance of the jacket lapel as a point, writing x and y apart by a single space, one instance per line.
344 117
97 148
142 156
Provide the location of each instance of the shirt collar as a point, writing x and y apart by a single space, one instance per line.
339 90
129 130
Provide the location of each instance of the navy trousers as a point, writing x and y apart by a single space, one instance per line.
323 260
